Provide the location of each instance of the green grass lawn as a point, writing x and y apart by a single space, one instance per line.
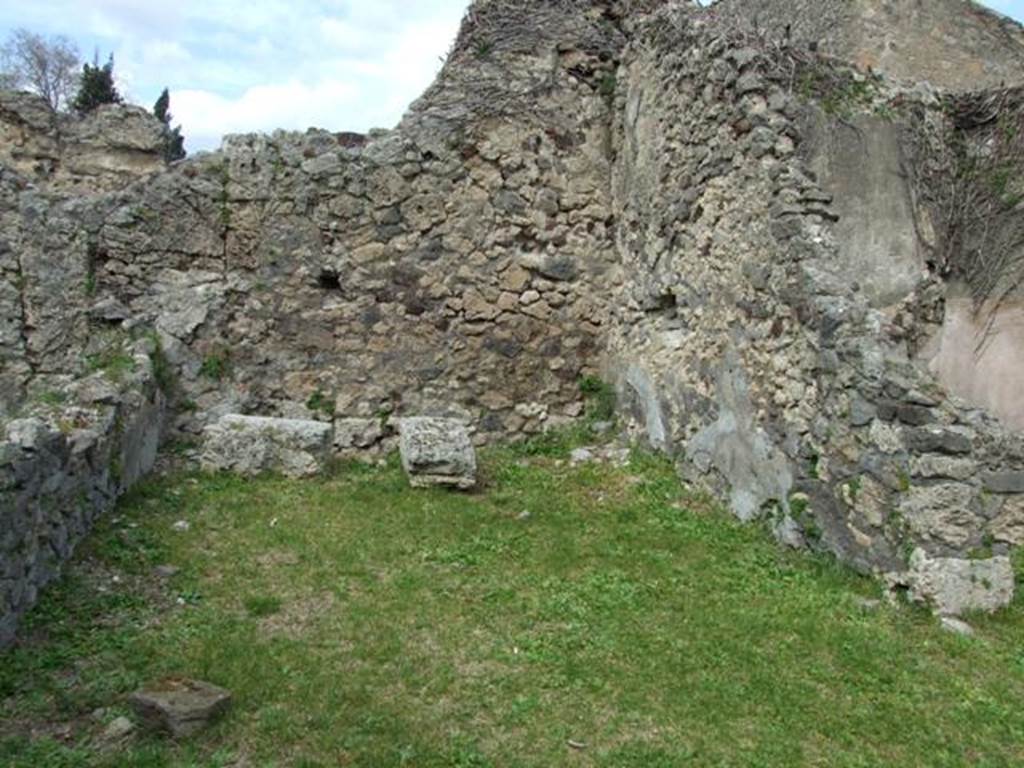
563 616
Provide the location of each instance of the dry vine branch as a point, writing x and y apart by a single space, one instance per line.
970 170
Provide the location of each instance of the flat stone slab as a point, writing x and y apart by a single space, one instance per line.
956 626
180 707
1004 482
955 586
250 445
437 452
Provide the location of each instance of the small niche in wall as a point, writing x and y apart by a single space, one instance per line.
95 259
662 304
329 280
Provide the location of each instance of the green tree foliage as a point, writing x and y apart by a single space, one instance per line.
96 87
163 104
174 142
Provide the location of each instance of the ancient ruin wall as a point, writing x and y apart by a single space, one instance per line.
952 44
745 345
64 464
81 411
454 266
582 184
56 173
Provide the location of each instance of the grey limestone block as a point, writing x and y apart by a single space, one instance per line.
955 586
437 451
250 445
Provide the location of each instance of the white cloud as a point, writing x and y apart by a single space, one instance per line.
339 33
370 65
238 66
293 105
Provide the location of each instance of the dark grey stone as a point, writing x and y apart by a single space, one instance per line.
939 440
915 415
1003 482
862 412
887 410
887 470
388 232
510 202
180 707
562 269
828 361
389 216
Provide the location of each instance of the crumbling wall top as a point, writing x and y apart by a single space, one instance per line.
952 44
98 152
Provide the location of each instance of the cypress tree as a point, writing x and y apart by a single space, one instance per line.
96 87
174 142
162 105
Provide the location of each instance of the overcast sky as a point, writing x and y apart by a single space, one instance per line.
235 66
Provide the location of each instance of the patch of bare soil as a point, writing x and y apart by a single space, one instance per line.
298 616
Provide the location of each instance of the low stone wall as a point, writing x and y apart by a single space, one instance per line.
65 463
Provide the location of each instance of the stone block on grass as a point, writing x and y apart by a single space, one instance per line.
250 445
955 586
437 451
180 707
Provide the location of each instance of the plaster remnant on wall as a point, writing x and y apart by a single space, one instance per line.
740 450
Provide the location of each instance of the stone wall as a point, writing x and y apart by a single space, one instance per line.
455 266
953 44
300 278
638 186
56 174
64 462
15 369
80 411
745 344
